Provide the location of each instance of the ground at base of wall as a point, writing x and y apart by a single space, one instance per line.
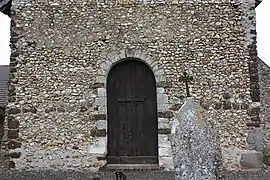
75 175
110 175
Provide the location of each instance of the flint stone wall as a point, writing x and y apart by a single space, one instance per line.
265 101
59 49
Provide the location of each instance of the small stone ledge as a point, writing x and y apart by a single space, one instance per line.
98 85
98 132
253 124
164 131
97 117
165 114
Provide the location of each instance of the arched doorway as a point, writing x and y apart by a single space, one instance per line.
132 114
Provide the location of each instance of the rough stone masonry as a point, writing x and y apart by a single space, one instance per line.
62 51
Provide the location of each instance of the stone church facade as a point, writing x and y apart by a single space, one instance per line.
63 53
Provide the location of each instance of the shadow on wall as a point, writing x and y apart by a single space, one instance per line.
5 6
2 118
4 78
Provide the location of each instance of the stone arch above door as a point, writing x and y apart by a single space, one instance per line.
112 58
165 158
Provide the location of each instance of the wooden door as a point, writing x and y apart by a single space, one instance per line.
132 114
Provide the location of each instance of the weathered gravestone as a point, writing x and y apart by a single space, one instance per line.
195 147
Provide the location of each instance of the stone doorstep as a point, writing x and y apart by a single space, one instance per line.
133 167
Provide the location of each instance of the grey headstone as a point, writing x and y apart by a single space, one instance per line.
194 144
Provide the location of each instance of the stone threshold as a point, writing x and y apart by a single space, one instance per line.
132 167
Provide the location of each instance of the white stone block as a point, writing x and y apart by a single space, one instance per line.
101 101
122 54
155 68
102 92
129 53
164 151
101 79
137 54
101 72
108 64
142 56
162 107
99 147
162 125
160 90
101 124
164 120
149 60
102 110
162 99
166 163
163 141
113 56
104 67
161 78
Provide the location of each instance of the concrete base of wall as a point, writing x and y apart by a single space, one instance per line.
74 175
